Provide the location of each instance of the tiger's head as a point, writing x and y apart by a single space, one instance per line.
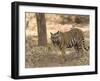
55 38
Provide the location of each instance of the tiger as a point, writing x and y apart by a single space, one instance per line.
72 38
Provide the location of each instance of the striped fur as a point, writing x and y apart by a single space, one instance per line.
73 38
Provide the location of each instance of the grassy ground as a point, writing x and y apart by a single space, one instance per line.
45 56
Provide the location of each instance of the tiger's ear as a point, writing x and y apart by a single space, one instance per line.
58 32
51 33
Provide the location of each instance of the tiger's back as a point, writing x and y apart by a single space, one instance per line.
72 37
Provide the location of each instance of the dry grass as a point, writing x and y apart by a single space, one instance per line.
42 57
50 56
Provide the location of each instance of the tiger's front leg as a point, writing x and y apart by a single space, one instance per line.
62 54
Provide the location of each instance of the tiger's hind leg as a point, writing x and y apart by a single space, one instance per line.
79 50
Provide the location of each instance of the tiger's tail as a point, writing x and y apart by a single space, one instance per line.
85 47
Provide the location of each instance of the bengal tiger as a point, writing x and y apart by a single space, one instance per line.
73 38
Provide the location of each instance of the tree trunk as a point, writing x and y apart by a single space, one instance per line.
41 25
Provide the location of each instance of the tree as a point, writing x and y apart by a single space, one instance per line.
41 25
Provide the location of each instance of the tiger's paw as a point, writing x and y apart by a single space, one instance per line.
62 61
